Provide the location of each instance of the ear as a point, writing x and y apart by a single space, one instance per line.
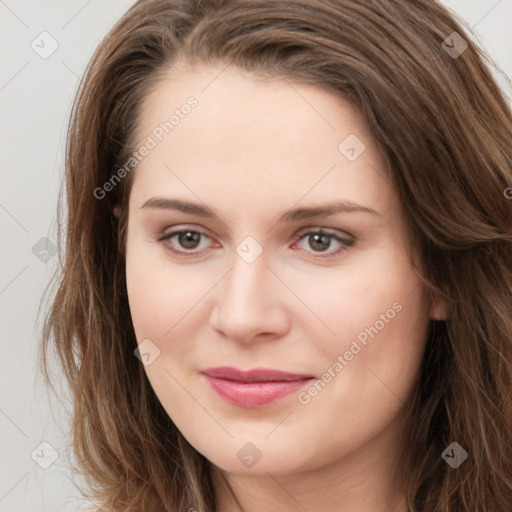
439 309
117 212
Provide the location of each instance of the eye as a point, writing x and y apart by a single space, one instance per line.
321 240
187 239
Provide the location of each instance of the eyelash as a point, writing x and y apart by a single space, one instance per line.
302 234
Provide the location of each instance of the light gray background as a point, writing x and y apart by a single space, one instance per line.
36 96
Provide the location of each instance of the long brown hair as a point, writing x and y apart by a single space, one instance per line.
445 132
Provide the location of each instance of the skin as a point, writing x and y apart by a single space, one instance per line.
251 150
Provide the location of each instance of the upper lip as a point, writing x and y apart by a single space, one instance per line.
254 375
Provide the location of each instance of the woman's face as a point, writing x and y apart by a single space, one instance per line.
342 314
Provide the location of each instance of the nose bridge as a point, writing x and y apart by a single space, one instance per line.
248 279
246 303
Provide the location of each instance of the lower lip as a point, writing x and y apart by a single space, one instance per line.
254 394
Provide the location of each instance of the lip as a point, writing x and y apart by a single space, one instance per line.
253 388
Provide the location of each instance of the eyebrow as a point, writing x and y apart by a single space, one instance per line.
292 215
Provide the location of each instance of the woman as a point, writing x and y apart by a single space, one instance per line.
287 277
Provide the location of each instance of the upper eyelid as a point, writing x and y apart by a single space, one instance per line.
166 233
328 231
302 231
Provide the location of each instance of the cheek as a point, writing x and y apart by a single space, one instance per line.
379 314
367 373
162 310
160 295
381 324
375 296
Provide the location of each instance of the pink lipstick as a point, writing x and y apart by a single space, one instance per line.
253 388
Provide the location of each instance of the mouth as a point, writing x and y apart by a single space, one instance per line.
253 388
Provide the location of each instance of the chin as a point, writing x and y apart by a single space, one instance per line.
255 456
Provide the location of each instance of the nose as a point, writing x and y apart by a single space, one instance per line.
249 303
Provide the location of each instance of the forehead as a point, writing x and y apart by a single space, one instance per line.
248 138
